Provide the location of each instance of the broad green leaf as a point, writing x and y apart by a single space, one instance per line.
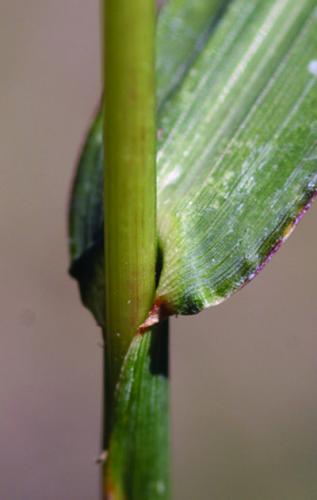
138 460
237 161
237 152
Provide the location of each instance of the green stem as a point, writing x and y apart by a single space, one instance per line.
130 179
130 226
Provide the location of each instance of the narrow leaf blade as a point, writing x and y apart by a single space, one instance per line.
138 465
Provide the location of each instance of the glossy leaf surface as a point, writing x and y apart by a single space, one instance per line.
237 160
237 149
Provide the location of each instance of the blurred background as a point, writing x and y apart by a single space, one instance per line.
244 374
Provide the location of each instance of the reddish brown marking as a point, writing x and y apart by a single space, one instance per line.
160 311
287 232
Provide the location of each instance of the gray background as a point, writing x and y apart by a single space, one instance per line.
243 374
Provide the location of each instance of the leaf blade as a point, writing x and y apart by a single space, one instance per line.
208 265
138 466
242 121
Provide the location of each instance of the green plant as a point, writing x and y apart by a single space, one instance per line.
236 120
